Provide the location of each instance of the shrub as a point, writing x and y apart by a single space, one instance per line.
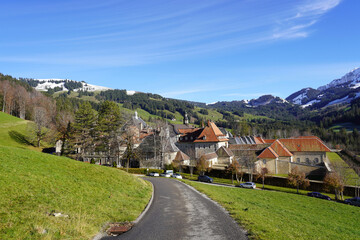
142 170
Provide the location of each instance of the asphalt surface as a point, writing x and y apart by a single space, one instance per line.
179 212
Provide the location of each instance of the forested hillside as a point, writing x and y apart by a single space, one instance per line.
269 116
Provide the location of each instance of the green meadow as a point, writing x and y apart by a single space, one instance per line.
35 185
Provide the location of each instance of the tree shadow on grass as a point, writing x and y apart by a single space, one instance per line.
20 138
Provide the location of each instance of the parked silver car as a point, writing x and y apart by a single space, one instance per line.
153 174
248 185
177 175
165 175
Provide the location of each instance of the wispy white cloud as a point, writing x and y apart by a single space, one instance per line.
140 32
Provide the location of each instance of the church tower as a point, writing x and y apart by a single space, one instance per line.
186 119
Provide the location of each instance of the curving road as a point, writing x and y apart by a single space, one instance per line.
179 212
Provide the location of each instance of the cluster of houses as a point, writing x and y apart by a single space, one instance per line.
186 144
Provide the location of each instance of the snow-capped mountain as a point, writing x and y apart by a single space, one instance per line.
338 91
65 85
350 80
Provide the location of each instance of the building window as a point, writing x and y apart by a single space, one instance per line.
298 160
264 161
186 138
316 160
307 160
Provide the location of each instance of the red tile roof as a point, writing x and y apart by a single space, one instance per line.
259 140
210 133
269 140
280 149
268 153
304 145
286 147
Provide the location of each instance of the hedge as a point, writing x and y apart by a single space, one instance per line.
142 170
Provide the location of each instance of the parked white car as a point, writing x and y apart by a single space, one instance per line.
165 175
248 185
177 175
153 174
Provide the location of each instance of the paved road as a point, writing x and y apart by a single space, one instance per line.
178 212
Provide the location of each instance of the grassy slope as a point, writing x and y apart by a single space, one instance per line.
33 184
276 215
350 175
13 131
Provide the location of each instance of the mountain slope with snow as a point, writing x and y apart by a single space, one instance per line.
349 80
63 85
338 91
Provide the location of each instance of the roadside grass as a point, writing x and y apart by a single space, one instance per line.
35 184
343 168
277 215
259 185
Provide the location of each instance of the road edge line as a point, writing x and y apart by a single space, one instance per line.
147 206
102 233
217 204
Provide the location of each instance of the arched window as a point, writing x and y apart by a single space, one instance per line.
316 160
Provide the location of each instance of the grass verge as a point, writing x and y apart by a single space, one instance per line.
277 215
267 187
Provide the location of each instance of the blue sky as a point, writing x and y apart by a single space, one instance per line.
205 50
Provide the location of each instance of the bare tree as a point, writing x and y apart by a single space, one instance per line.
298 179
202 165
21 99
63 127
41 120
249 159
234 169
130 153
333 182
262 175
5 88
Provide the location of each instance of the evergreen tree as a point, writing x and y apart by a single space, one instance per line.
108 128
84 129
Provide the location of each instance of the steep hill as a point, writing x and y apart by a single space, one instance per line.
13 132
34 185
